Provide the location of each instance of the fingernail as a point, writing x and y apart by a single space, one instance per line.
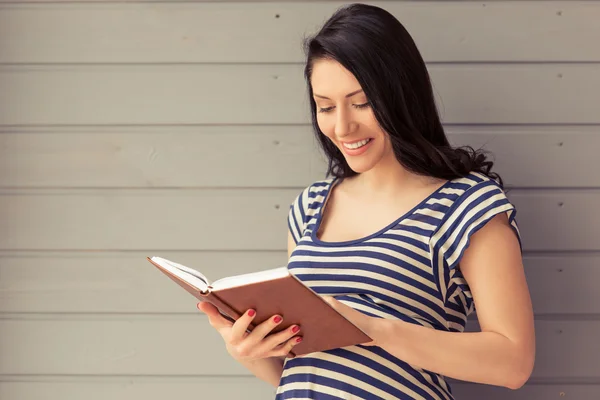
277 319
251 313
299 339
295 329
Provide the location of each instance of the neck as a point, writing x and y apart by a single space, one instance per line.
388 177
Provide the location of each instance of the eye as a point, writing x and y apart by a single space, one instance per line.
359 106
325 110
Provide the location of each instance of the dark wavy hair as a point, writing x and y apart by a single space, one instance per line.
376 48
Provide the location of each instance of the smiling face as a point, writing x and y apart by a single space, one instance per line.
346 118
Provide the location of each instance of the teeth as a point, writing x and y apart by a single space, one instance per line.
357 144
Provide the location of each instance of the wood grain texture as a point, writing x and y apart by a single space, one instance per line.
272 32
182 156
92 283
249 388
236 219
275 94
180 129
176 346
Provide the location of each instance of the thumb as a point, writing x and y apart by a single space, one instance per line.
331 300
214 316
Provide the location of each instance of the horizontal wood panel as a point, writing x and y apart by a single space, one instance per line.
276 93
273 31
101 283
157 220
127 283
157 388
558 220
249 388
270 155
175 346
235 219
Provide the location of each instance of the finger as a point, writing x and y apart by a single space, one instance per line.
279 338
262 330
214 316
285 348
238 330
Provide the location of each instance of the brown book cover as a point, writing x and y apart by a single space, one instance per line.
271 292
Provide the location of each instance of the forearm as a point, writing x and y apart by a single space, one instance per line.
266 369
482 357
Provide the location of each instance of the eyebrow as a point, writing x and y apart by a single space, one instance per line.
348 95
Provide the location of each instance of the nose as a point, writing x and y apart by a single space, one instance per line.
343 124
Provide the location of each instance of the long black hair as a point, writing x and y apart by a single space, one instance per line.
376 48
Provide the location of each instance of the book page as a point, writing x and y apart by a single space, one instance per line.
253 277
189 275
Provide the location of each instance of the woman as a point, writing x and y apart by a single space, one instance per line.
405 238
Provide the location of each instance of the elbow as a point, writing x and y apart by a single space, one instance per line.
521 373
518 381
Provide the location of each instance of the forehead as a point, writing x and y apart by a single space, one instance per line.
329 78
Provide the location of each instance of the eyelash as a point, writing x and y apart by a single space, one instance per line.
359 106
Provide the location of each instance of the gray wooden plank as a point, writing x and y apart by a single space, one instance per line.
537 156
176 156
276 94
157 220
175 345
236 219
164 32
565 349
112 282
179 156
558 220
563 284
156 388
249 388
88 283
465 391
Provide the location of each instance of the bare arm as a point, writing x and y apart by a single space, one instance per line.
503 353
266 369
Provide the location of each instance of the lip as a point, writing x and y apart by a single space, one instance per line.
356 141
359 151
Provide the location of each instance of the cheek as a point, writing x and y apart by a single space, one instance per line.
325 125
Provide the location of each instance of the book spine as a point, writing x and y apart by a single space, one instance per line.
222 306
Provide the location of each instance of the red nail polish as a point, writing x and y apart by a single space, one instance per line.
295 329
298 340
251 313
277 319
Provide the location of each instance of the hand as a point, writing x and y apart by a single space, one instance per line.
364 322
244 346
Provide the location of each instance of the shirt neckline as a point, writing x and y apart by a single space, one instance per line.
328 190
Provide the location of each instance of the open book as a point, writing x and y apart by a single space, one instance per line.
271 292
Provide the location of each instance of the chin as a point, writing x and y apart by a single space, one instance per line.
359 168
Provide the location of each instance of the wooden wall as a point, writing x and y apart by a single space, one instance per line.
130 129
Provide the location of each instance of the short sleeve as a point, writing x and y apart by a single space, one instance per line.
469 213
297 215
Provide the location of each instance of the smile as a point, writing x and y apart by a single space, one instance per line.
356 145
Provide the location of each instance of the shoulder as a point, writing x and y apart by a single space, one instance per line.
305 205
313 193
470 194
471 183
472 202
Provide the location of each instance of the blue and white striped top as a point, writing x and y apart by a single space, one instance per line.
404 271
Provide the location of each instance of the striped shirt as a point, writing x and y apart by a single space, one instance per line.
405 271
